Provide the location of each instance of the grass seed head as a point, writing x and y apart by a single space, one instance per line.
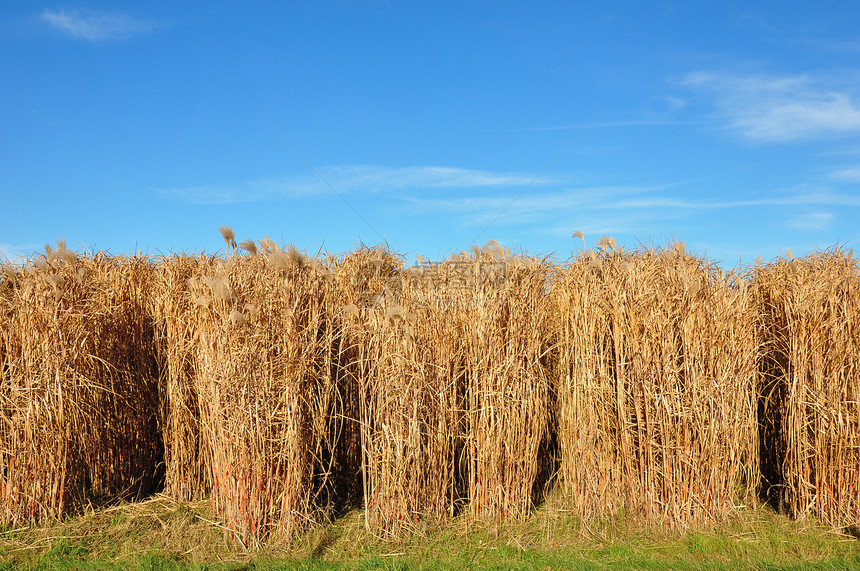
296 258
249 246
202 301
228 235
9 272
606 244
268 245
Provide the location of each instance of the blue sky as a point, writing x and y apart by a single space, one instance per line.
733 126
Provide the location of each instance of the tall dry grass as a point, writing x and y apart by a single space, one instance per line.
809 328
259 397
454 393
266 389
656 386
505 316
188 474
286 387
407 378
79 385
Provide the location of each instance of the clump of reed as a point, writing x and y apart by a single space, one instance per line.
266 388
258 388
79 385
656 385
504 314
454 398
407 381
284 386
188 475
809 328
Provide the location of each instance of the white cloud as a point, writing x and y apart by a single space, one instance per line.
811 221
16 253
623 209
807 197
846 175
592 206
350 178
241 192
674 102
628 198
472 198
774 109
849 46
97 26
370 177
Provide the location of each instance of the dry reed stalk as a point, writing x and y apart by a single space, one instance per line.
267 390
362 280
79 392
504 312
455 404
655 386
188 475
287 385
810 384
408 393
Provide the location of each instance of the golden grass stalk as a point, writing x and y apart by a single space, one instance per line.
249 246
282 386
229 237
266 389
79 387
809 328
188 474
407 381
505 316
656 395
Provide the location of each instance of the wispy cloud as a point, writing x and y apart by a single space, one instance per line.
241 192
16 253
634 198
846 175
805 198
351 178
594 208
565 199
675 102
811 221
97 26
470 199
849 46
776 109
377 178
626 209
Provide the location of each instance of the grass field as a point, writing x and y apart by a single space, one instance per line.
162 533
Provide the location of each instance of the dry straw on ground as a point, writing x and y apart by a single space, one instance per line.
809 328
